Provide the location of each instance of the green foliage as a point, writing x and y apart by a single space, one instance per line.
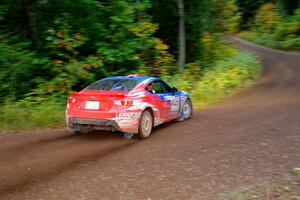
198 19
288 31
267 18
248 8
227 74
78 47
27 115
125 38
293 43
67 69
50 48
214 48
188 78
289 6
275 30
129 45
3 10
226 15
19 68
295 171
155 58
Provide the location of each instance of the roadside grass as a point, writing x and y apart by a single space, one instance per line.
280 31
288 44
25 115
265 40
228 76
287 188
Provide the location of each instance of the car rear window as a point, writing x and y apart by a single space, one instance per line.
116 84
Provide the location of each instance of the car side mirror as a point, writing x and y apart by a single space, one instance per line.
175 89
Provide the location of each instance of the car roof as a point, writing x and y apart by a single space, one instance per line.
138 77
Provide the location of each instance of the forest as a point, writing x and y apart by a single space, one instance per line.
49 48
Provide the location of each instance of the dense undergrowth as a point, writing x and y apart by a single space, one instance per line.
228 76
273 29
231 72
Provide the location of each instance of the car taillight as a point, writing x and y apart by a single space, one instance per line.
71 100
125 103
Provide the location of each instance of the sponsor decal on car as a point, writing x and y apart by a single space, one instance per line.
129 115
171 98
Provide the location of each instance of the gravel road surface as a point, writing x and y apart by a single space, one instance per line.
251 137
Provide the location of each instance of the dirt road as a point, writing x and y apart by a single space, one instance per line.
251 137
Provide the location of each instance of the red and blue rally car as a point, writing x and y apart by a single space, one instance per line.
131 104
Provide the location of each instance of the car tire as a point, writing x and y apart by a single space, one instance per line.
187 110
145 124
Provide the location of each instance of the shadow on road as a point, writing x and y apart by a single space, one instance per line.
33 158
47 159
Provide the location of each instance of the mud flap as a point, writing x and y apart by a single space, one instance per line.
128 135
75 128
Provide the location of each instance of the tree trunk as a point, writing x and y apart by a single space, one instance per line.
29 8
181 36
139 12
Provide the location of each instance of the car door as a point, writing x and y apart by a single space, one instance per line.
168 101
173 100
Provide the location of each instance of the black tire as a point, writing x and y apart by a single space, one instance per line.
145 124
187 110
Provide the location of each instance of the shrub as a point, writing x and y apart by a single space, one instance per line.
273 30
267 18
228 75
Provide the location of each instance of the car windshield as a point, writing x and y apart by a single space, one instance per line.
116 84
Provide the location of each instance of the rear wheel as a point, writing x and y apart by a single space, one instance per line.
146 124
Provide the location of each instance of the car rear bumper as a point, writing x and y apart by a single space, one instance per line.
98 124
127 124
